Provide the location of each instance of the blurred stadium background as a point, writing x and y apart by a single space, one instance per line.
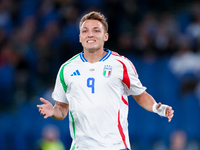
161 38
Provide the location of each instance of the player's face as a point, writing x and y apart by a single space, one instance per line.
92 35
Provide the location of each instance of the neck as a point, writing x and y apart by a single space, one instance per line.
94 56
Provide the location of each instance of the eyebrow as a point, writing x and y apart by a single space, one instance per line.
93 28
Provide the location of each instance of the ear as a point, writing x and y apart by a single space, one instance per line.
79 38
106 37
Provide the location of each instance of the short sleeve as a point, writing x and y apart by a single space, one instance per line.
133 84
59 92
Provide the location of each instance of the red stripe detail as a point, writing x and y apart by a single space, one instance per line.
126 78
121 130
133 67
125 102
115 53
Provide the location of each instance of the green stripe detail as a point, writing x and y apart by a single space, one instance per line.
62 72
73 148
73 123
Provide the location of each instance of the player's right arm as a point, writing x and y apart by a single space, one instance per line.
58 111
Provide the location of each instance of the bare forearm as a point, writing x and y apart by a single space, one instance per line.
60 111
58 114
145 100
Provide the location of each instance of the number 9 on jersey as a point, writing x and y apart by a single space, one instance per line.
90 84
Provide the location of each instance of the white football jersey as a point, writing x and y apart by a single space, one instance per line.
97 97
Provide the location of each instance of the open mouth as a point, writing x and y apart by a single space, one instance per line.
91 41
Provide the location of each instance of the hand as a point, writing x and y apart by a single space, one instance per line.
169 113
46 109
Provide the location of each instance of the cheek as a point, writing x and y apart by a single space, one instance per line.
81 39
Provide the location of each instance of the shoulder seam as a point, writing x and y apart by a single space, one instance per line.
62 80
69 61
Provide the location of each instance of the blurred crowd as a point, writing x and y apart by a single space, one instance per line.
37 36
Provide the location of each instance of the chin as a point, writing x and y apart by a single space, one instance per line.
93 49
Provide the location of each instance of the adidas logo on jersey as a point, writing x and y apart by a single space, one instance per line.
76 73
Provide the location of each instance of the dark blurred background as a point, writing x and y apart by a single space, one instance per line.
160 37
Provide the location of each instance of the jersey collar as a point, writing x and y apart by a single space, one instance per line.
102 59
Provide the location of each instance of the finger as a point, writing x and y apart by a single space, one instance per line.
170 118
171 112
40 109
39 106
168 111
45 117
43 100
169 108
167 115
41 112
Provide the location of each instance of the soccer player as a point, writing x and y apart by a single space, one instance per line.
93 87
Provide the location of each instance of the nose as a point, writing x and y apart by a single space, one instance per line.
90 34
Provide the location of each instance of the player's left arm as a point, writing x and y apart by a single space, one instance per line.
146 101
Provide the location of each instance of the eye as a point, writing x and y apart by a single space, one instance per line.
96 30
84 31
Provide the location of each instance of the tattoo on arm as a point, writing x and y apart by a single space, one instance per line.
61 111
59 104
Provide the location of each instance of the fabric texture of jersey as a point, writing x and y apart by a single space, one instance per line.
97 94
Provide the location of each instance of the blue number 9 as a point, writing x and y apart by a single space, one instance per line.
90 83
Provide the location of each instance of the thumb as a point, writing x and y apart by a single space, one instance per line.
158 105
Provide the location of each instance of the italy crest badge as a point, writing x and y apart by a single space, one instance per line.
107 71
